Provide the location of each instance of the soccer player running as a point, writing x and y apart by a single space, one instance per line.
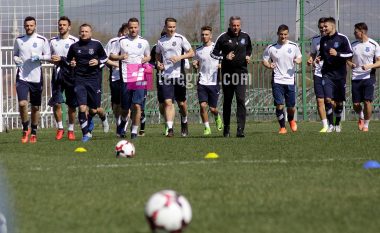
234 49
318 81
86 56
132 49
115 81
365 60
62 79
335 49
28 52
282 58
208 86
171 49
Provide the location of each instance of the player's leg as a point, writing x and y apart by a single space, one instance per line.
290 102
319 94
278 92
22 90
103 117
35 101
143 119
339 98
356 100
241 111
180 97
115 87
126 103
203 104
81 96
137 101
369 90
328 87
72 104
213 96
228 92
167 91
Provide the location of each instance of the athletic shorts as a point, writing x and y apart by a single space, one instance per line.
115 91
174 89
88 92
363 89
131 97
283 93
318 87
34 90
208 94
334 89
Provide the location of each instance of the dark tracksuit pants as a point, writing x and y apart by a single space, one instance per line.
229 89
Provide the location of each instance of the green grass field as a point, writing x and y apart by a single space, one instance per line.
295 183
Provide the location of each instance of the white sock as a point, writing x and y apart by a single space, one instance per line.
325 124
134 129
71 127
169 124
184 119
366 123
207 125
59 125
361 115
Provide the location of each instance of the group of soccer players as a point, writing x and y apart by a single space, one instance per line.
78 67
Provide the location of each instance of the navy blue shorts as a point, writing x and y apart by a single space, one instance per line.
363 90
208 94
24 88
131 97
318 87
88 93
283 92
115 91
334 89
71 99
174 89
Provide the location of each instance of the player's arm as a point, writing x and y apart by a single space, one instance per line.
71 56
102 57
16 54
46 54
146 54
112 63
266 58
248 50
217 51
350 63
345 51
372 66
298 56
159 62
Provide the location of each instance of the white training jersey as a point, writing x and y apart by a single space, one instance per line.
314 49
115 75
136 48
60 47
208 66
24 48
364 53
283 55
169 47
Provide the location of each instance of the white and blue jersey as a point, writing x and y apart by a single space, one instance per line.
114 71
364 53
314 50
208 66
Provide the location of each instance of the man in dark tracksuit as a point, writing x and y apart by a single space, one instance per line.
335 49
234 49
86 56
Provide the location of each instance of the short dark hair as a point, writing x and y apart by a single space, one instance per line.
65 18
133 20
234 18
29 18
85 25
321 20
282 27
163 32
330 20
208 28
170 19
123 27
361 26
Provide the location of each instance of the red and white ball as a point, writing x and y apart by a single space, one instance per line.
125 149
168 211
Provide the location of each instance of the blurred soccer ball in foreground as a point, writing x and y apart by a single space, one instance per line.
125 149
168 211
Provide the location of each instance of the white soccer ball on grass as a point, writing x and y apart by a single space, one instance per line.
168 211
125 149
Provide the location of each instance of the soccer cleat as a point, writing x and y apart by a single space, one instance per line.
106 126
133 135
165 130
71 135
226 131
282 131
330 129
91 125
324 130
86 137
170 133
360 124
184 130
142 133
365 129
59 134
207 131
219 123
338 128
240 133
25 136
33 138
293 125
120 132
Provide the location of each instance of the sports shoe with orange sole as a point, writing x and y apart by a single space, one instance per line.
59 134
282 131
365 129
293 125
71 135
25 136
360 124
33 138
